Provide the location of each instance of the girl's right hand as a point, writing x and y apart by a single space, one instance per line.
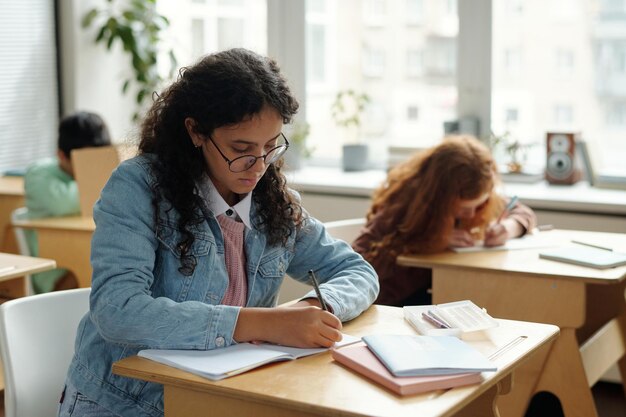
296 326
460 238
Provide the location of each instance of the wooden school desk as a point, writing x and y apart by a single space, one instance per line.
318 386
12 266
586 303
66 240
11 197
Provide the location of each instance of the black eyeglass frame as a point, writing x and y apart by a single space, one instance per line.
275 157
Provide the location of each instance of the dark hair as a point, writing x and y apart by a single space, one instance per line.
82 130
221 89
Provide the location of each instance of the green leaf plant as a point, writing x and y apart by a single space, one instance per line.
138 27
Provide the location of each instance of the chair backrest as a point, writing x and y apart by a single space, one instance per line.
347 230
92 169
37 344
21 213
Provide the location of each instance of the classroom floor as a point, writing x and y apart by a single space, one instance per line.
609 397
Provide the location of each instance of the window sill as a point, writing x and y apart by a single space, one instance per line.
577 198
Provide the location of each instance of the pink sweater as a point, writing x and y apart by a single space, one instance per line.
235 258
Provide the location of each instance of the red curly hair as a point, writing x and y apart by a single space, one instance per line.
419 199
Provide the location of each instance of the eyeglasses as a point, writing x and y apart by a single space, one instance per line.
245 162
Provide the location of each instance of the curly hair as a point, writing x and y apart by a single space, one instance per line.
221 89
418 201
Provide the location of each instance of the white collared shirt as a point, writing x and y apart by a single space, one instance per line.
217 204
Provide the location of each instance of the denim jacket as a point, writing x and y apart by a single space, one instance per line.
140 300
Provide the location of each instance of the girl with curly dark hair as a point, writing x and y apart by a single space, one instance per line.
194 236
442 197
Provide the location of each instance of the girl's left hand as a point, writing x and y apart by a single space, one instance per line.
496 235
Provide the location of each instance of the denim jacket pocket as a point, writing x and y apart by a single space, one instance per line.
169 235
274 264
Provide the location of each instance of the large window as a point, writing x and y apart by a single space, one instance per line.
524 67
199 27
561 69
401 54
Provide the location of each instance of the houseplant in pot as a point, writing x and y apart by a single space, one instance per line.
347 110
298 151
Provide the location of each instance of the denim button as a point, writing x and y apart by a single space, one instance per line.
219 341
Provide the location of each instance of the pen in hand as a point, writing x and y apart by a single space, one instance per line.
316 286
508 208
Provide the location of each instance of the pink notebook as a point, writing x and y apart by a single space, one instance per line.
360 359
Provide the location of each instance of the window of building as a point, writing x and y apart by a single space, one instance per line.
400 67
569 75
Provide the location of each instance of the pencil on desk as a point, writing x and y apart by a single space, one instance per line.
591 245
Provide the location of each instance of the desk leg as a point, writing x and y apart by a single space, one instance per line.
515 403
485 405
564 376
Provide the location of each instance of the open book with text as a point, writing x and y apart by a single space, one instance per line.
360 358
222 363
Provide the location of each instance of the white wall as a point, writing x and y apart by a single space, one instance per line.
92 77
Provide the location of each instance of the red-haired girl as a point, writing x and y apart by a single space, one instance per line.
442 197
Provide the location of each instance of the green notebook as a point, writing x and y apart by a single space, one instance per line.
590 257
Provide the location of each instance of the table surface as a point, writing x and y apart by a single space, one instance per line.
12 266
527 261
11 186
317 384
79 223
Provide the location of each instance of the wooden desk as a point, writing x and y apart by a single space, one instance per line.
12 266
318 386
587 304
67 240
11 197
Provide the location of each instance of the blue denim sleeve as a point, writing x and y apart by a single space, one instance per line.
123 257
347 281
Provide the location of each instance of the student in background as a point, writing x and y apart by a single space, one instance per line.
442 197
51 190
193 238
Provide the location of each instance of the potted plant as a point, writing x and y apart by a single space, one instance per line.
515 151
298 151
138 27
347 110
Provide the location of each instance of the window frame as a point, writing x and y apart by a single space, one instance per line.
286 23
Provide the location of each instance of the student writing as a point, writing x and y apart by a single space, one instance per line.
193 238
441 197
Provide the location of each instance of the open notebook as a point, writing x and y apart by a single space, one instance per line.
221 363
541 240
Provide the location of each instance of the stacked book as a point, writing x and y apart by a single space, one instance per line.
436 359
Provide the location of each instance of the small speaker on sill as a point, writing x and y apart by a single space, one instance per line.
561 164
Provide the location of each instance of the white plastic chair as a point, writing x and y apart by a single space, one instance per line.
346 230
21 213
37 344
